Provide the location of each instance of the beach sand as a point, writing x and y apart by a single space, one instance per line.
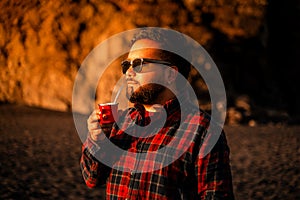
40 152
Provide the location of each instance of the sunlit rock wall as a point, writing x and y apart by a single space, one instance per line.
43 43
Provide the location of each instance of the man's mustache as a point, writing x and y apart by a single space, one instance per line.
131 80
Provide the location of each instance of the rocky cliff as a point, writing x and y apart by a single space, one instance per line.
43 43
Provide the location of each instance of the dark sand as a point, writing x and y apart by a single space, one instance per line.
40 151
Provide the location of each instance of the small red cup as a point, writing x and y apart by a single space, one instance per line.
108 113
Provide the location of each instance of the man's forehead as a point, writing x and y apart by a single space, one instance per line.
145 48
145 53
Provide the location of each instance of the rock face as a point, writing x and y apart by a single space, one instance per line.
43 43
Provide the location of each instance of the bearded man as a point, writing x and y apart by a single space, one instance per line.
145 171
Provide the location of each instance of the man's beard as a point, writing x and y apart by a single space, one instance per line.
146 94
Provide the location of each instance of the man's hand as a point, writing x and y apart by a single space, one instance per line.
96 130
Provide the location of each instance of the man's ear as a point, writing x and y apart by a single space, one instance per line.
171 74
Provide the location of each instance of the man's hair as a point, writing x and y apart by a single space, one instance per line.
171 40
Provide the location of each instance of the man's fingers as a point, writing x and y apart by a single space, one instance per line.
96 130
93 118
93 126
97 134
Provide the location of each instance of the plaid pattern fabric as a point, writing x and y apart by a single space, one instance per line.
191 176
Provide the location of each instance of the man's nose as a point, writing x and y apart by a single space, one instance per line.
130 72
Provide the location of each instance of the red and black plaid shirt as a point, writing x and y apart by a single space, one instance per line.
137 174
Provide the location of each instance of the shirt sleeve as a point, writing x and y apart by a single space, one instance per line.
213 171
94 173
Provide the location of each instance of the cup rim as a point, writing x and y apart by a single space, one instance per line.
107 104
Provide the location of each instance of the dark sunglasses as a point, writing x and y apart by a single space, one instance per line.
137 64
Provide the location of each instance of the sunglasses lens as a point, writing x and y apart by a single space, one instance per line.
137 65
125 66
